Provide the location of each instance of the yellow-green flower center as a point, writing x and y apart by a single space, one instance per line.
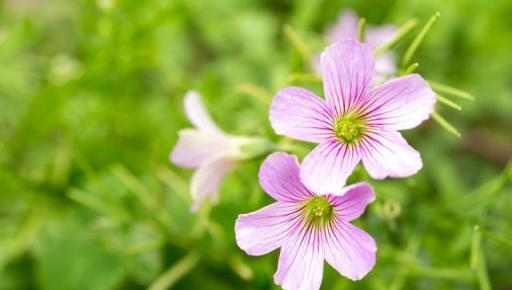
319 211
349 128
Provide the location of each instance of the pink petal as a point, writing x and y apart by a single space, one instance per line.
302 115
385 67
386 153
347 26
208 177
301 262
348 249
267 229
279 177
347 68
353 202
194 147
197 113
326 169
399 104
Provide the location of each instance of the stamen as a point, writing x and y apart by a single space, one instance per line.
319 211
349 128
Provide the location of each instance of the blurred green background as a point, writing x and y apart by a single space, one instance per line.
91 103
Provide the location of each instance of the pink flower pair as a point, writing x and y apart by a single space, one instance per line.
310 220
356 122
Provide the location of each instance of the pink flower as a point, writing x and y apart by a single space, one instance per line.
210 150
307 227
347 26
355 122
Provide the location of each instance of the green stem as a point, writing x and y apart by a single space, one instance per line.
451 91
401 33
496 238
448 102
175 272
410 69
409 53
476 241
443 123
481 273
478 198
257 92
288 146
174 182
298 43
362 29
309 78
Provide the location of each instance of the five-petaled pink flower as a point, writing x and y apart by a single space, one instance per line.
355 121
347 26
309 228
209 149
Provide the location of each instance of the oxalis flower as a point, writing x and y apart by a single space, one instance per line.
355 122
209 149
309 228
347 26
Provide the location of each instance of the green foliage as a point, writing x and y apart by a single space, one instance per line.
91 103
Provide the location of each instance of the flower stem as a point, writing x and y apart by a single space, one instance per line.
448 102
409 53
410 69
476 241
309 78
175 272
401 33
288 146
257 92
362 29
299 43
451 91
495 237
445 124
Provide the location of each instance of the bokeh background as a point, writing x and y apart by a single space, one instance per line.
91 103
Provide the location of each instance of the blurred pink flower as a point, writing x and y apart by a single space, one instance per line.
207 148
355 122
307 227
347 26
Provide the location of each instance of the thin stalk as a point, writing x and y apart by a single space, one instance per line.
476 241
445 124
448 102
400 34
174 182
257 92
410 69
496 238
409 53
451 91
485 192
299 43
309 78
362 29
175 272
481 273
